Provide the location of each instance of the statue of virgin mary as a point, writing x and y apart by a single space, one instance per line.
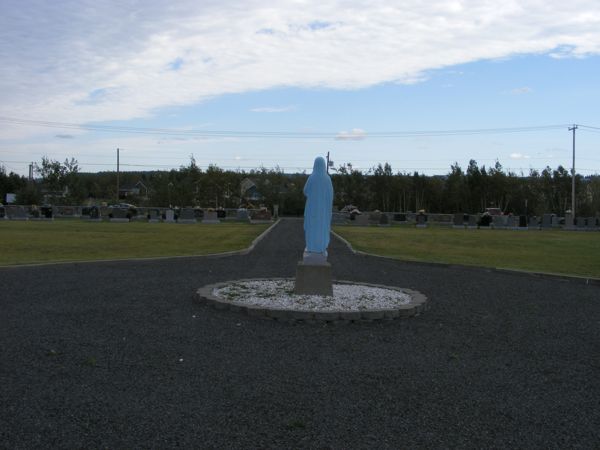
317 211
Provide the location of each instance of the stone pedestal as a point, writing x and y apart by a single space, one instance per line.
313 279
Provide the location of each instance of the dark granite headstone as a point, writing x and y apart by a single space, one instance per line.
522 221
46 212
399 217
95 213
591 223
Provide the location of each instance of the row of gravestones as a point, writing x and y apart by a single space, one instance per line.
461 220
186 215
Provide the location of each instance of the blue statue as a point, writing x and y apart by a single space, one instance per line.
317 212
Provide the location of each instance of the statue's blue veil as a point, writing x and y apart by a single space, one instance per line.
317 212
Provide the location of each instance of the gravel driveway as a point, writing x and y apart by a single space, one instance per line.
122 355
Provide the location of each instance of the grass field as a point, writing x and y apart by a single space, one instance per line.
552 251
74 240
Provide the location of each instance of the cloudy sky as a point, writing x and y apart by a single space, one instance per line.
241 84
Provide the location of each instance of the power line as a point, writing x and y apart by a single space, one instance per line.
236 167
281 134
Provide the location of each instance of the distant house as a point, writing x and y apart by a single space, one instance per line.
249 191
139 189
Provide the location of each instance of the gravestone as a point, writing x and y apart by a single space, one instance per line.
34 213
523 222
555 221
374 217
499 222
186 215
95 214
119 215
513 222
534 222
153 215
400 217
485 220
3 213
472 221
384 220
242 215
569 222
547 220
46 213
591 223
17 213
580 222
170 216
361 220
421 220
458 220
211 217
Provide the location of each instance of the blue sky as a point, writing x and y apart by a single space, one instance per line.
330 76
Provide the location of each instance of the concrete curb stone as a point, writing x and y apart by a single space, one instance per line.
416 306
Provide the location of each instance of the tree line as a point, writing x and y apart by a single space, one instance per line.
468 190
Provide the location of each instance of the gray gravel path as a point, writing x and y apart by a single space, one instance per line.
122 355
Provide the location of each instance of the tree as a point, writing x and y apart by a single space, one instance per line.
454 189
382 186
60 180
10 183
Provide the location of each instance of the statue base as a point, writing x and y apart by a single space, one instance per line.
314 279
314 259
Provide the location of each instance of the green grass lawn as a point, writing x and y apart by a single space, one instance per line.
552 251
74 240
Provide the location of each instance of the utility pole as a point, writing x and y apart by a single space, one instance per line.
573 128
117 175
327 162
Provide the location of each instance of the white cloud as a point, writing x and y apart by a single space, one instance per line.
520 90
94 60
356 134
273 109
517 155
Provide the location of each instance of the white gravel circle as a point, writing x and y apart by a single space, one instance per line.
279 294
